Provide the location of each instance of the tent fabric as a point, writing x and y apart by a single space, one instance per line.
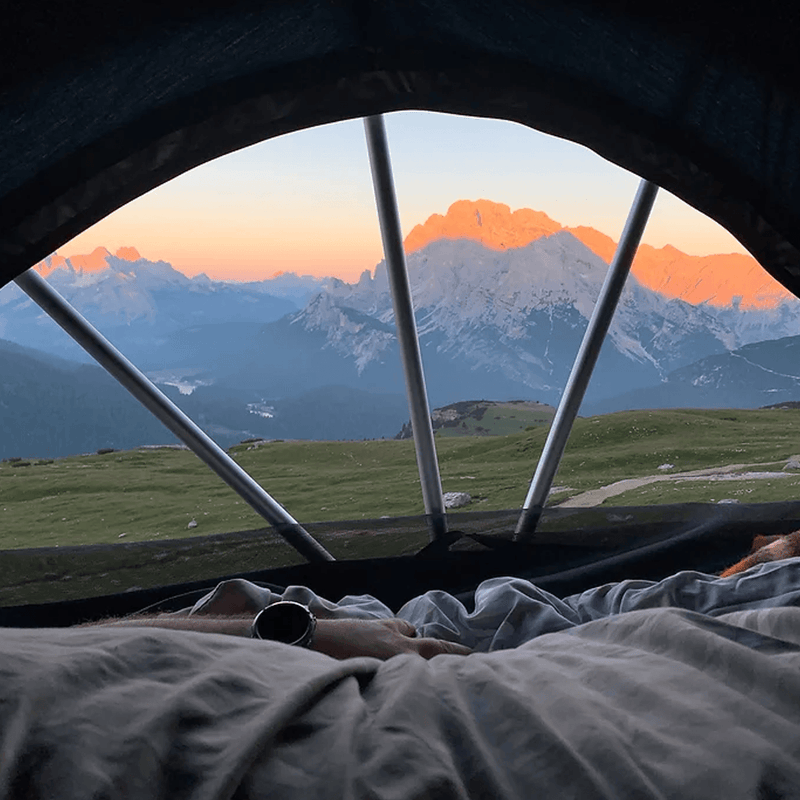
100 104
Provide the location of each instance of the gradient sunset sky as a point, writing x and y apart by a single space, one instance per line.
304 202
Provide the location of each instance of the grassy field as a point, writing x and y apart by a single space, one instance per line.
713 491
53 512
153 495
487 418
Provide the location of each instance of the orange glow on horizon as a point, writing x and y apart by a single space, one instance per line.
239 256
256 267
328 247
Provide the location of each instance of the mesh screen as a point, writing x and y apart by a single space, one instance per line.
391 559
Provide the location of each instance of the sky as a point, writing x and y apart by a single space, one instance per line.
304 202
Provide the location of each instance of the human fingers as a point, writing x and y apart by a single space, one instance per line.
428 648
402 626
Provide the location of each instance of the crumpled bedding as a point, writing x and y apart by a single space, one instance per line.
615 693
511 611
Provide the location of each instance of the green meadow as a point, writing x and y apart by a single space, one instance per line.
58 517
486 418
153 495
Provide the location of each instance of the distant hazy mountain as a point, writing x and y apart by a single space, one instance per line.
752 376
52 407
138 303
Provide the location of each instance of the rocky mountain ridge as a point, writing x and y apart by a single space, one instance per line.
720 280
139 303
521 312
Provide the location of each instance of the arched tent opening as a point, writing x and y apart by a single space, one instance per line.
126 100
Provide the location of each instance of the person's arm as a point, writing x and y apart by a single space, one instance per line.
338 638
232 625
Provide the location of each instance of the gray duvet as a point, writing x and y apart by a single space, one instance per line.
688 688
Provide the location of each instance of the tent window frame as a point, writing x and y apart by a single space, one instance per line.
155 401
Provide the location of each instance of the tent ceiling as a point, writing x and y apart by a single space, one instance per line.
100 103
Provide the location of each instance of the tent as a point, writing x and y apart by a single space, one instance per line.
100 104
171 112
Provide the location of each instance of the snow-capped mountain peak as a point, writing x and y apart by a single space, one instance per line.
517 311
719 280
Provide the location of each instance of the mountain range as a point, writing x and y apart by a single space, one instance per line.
501 299
139 303
721 280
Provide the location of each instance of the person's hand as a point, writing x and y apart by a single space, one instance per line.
379 638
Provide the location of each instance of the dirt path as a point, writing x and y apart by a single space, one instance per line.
732 472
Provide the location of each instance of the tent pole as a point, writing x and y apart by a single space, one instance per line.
585 361
421 426
155 401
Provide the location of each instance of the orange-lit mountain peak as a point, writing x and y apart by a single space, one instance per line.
719 280
600 244
96 261
128 254
50 264
494 225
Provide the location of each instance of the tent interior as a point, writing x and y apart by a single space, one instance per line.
101 103
99 107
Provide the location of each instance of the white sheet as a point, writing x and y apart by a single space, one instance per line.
655 702
511 611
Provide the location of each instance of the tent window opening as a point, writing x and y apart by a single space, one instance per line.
143 390
443 529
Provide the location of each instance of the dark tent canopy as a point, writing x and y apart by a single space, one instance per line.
99 103
102 102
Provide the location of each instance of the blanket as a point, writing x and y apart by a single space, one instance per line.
614 693
511 611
